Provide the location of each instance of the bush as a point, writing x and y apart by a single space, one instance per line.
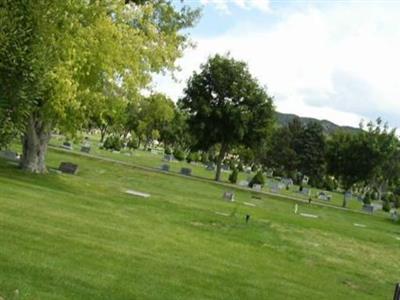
113 142
232 165
386 206
179 154
240 167
193 156
254 168
367 198
204 158
257 179
233 177
167 151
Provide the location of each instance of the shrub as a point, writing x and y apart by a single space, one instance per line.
193 156
179 154
367 198
204 158
113 142
254 168
233 177
386 206
257 179
167 151
240 167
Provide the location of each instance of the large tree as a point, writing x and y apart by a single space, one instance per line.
226 107
62 61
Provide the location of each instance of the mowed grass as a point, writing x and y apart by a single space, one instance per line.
82 237
155 160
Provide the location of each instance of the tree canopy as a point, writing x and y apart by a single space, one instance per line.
226 106
61 62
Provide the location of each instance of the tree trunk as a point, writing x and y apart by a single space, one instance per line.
220 158
34 146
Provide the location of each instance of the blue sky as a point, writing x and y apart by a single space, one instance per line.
335 60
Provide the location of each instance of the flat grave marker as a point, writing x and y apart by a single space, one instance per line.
308 215
359 225
249 204
68 168
136 193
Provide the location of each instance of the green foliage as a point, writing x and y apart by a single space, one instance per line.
240 167
257 179
226 106
70 62
192 156
113 142
168 151
204 158
367 199
233 177
179 154
386 206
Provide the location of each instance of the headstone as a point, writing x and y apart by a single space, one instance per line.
85 149
273 187
67 145
281 186
270 173
165 168
168 157
230 196
186 171
368 208
9 155
69 168
394 216
305 192
210 167
348 196
247 170
287 182
256 187
243 183
305 180
324 196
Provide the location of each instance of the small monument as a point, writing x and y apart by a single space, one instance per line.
68 168
230 196
186 171
165 168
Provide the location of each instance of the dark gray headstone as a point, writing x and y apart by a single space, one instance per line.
67 145
165 168
69 168
186 171
85 149
368 208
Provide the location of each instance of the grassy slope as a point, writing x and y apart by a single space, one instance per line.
81 237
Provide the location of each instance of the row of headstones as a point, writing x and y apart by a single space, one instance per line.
183 171
67 145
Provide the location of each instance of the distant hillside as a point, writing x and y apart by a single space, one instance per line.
328 126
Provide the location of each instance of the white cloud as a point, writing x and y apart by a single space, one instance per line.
339 64
223 5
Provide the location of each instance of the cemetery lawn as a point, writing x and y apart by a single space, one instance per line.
83 237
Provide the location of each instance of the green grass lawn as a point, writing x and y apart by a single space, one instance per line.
82 237
154 160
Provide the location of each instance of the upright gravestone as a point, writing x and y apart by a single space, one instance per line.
67 145
305 180
186 171
368 208
9 155
305 192
168 157
85 149
69 168
230 196
244 183
165 168
210 167
256 187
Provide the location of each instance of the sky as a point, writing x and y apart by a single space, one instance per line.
333 60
